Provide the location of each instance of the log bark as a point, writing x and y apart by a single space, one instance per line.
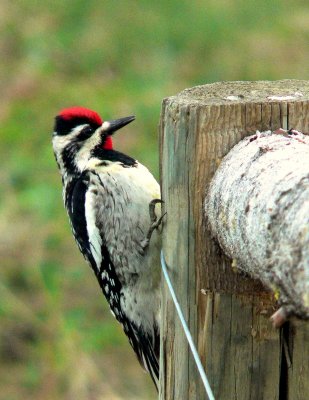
258 210
227 312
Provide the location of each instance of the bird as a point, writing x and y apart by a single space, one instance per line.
114 208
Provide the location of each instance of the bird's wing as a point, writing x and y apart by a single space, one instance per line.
75 204
81 209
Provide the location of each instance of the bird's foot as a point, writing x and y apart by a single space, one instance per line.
152 207
155 222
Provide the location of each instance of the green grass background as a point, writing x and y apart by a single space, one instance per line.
57 337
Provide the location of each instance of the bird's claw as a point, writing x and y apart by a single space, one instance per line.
152 206
155 222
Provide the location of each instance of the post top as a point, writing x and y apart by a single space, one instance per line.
287 90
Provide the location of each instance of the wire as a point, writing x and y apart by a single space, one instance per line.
186 330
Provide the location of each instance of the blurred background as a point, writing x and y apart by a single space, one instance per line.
57 338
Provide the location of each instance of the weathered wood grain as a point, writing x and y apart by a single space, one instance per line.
228 314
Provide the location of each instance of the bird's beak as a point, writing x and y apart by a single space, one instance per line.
109 127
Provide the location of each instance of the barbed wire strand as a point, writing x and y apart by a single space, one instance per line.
186 330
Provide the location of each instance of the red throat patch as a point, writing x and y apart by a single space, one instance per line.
108 144
81 112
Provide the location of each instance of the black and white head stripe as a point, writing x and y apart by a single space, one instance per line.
65 126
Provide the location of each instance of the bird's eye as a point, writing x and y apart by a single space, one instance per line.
85 133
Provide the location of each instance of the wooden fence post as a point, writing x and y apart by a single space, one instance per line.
227 313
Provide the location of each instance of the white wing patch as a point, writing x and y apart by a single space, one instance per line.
95 239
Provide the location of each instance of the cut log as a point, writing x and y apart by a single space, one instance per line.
258 210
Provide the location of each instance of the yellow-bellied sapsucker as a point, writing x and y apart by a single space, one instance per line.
110 199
